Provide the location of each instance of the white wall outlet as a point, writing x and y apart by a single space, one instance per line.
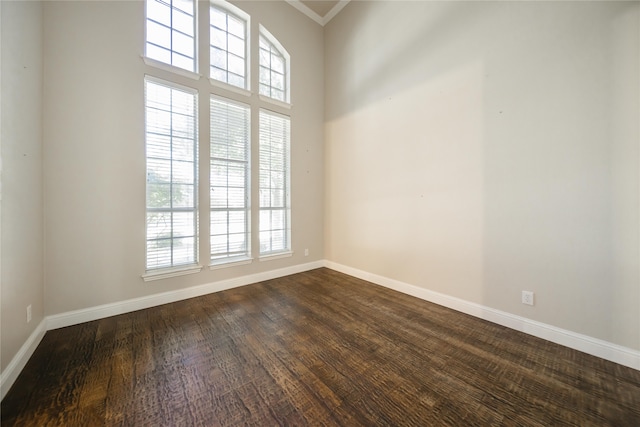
527 297
29 313
306 252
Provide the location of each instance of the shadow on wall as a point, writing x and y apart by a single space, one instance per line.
493 148
394 49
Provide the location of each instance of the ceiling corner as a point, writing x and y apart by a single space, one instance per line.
317 10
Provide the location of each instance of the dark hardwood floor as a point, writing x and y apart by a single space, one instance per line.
316 348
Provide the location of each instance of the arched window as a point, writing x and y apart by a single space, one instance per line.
274 68
228 44
173 44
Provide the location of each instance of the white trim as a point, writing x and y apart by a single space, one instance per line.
170 68
196 43
599 348
225 263
231 88
171 85
238 13
334 11
306 10
314 16
106 310
270 38
276 102
17 364
270 257
593 346
70 318
172 272
224 4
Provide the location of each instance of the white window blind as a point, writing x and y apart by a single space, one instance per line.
273 71
274 180
170 32
172 175
228 47
229 163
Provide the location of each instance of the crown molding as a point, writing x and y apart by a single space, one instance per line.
314 16
334 11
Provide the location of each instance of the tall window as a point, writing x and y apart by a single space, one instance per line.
274 183
228 47
229 184
274 63
172 174
238 230
170 32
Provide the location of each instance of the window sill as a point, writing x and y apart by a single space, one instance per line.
171 68
230 88
170 272
280 104
218 264
278 255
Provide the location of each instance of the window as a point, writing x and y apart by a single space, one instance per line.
274 63
170 32
229 165
172 174
228 47
274 183
248 189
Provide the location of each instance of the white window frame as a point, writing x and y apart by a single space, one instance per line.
173 76
238 14
173 268
267 192
282 52
229 161
172 65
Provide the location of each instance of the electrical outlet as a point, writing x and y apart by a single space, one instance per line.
306 252
29 313
527 297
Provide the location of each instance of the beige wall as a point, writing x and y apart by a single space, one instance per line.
94 150
22 281
480 149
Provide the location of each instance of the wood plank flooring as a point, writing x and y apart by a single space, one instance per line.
316 348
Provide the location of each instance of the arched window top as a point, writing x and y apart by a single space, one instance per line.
274 68
228 47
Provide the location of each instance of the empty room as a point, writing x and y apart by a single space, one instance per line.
291 212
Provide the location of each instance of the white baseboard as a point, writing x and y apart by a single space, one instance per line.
10 374
100 312
605 350
593 346
17 364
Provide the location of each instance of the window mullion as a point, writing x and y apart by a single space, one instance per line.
171 33
171 188
227 177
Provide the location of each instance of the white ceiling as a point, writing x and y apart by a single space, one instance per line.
321 11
